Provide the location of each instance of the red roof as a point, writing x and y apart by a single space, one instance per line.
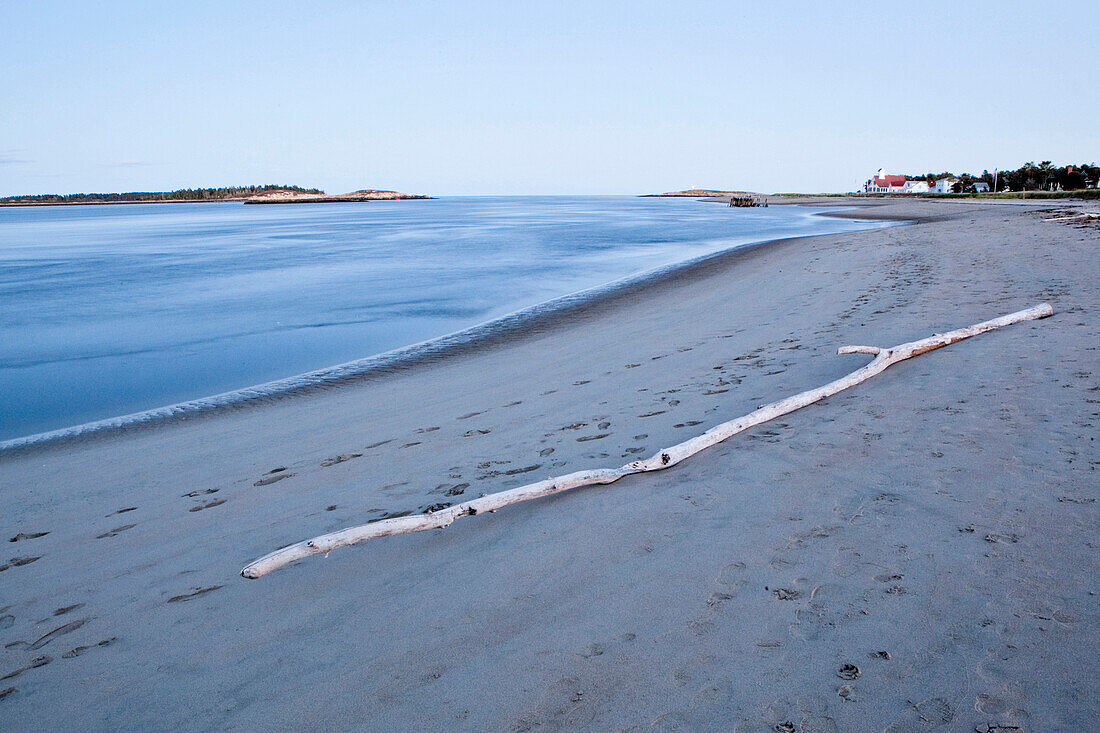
890 181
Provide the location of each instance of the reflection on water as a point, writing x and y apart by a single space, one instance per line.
106 310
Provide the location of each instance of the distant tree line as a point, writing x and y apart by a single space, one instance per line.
1028 177
183 194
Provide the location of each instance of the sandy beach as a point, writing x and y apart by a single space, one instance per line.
917 553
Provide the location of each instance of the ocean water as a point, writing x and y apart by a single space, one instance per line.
115 309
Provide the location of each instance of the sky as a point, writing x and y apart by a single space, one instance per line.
483 98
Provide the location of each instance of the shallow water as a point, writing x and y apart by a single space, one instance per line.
109 310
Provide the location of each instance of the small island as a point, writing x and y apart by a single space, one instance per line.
701 193
299 196
270 194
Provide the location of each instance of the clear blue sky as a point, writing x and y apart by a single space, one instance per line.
548 97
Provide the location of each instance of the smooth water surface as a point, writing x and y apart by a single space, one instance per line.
108 310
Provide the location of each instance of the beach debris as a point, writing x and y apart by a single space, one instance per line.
883 358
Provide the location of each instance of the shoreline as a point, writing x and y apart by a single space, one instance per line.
914 553
548 314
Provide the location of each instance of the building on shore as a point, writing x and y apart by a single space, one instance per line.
883 183
945 185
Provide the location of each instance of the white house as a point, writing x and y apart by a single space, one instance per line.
944 185
981 187
882 183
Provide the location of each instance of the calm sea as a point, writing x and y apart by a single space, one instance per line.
109 310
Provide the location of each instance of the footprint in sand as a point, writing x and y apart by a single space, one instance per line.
583 381
36 662
450 489
468 415
340 459
546 451
924 715
597 649
115 532
27 536
275 474
194 594
427 430
81 649
387 515
472 433
586 438
849 672
603 426
66 609
193 494
17 562
51 635
653 414
525 469
124 510
206 505
688 424
378 444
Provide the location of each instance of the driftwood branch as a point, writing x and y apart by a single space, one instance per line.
884 357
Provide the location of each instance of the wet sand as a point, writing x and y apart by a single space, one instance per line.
912 554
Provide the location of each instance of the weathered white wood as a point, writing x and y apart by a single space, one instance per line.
1071 217
664 459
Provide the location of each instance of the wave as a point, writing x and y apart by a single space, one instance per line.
504 328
